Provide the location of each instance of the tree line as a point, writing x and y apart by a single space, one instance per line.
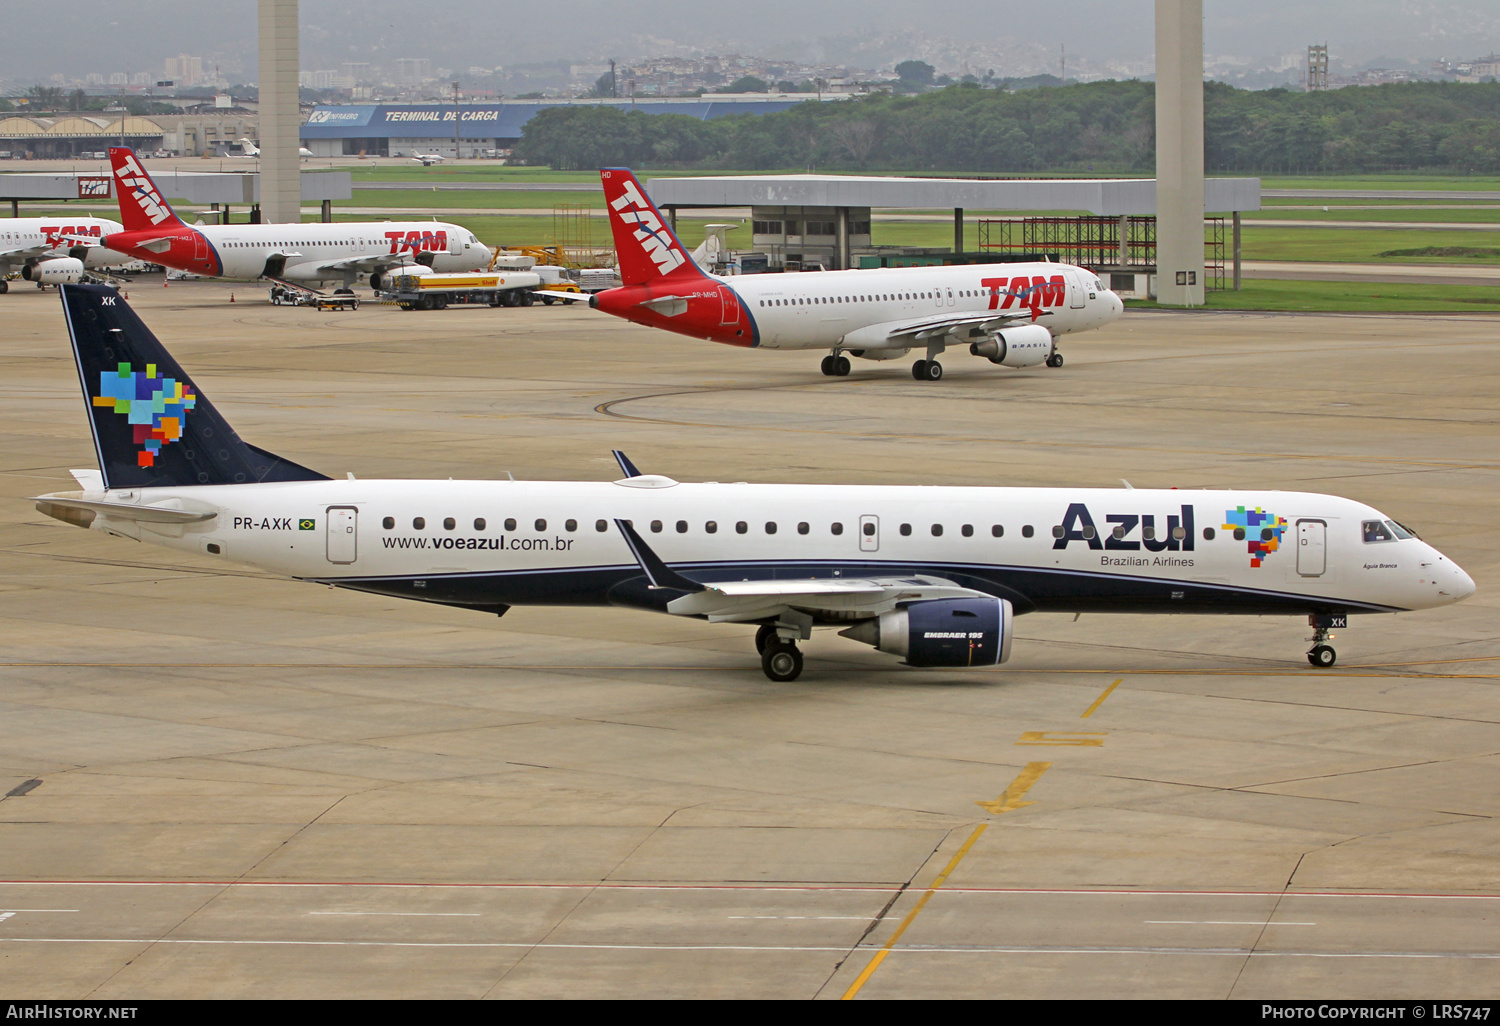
1099 126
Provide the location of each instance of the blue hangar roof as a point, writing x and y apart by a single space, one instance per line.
502 120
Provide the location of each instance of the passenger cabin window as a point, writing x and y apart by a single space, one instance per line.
937 530
541 525
388 523
510 523
741 527
418 523
1239 534
1027 531
479 523
1208 533
682 527
803 527
905 530
568 525
967 530
770 527
449 523
837 528
601 526
869 530
656 527
711 527
1375 531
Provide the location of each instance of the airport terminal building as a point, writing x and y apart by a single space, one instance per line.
403 129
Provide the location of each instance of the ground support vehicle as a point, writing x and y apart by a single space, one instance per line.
288 294
437 291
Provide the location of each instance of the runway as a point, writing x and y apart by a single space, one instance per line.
221 783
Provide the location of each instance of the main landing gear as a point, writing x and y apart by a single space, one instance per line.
927 370
1322 654
780 658
836 365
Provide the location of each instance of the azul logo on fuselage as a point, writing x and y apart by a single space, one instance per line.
650 232
1176 535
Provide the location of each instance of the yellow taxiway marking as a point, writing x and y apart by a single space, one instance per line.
1078 739
1100 700
1011 799
931 890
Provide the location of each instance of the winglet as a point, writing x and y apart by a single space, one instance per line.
658 573
626 467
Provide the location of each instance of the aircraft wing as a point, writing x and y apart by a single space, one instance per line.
840 598
963 327
375 262
824 598
23 252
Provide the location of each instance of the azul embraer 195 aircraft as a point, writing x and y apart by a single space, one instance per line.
1010 314
934 575
343 251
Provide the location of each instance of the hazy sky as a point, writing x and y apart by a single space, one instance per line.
39 40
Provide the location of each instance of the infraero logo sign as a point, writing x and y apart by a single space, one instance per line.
142 190
634 209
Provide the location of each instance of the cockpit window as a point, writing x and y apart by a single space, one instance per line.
1399 531
1375 531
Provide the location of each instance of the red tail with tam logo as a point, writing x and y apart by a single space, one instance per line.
647 248
142 206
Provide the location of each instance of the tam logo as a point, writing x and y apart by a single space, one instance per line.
142 191
651 233
415 242
59 236
1037 292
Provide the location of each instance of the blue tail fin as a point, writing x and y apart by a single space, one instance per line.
152 426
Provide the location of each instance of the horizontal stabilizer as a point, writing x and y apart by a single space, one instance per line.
124 510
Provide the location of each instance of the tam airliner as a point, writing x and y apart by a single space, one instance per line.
55 250
934 575
345 251
1011 314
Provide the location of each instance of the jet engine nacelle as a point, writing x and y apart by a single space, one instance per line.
942 632
1028 345
58 271
382 279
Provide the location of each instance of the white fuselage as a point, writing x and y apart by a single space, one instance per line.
816 310
542 542
29 239
313 250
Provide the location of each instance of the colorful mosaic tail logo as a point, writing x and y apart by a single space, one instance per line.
1263 530
154 407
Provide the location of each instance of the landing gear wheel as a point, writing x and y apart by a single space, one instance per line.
827 367
1055 360
1322 656
782 663
841 366
763 637
343 292
919 370
4 286
932 371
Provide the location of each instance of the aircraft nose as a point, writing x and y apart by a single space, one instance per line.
1460 585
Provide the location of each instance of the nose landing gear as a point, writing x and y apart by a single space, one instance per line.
836 365
1322 654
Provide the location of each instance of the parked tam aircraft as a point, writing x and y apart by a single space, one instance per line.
343 251
1012 314
935 575
55 250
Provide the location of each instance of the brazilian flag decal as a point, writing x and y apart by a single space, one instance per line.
307 524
